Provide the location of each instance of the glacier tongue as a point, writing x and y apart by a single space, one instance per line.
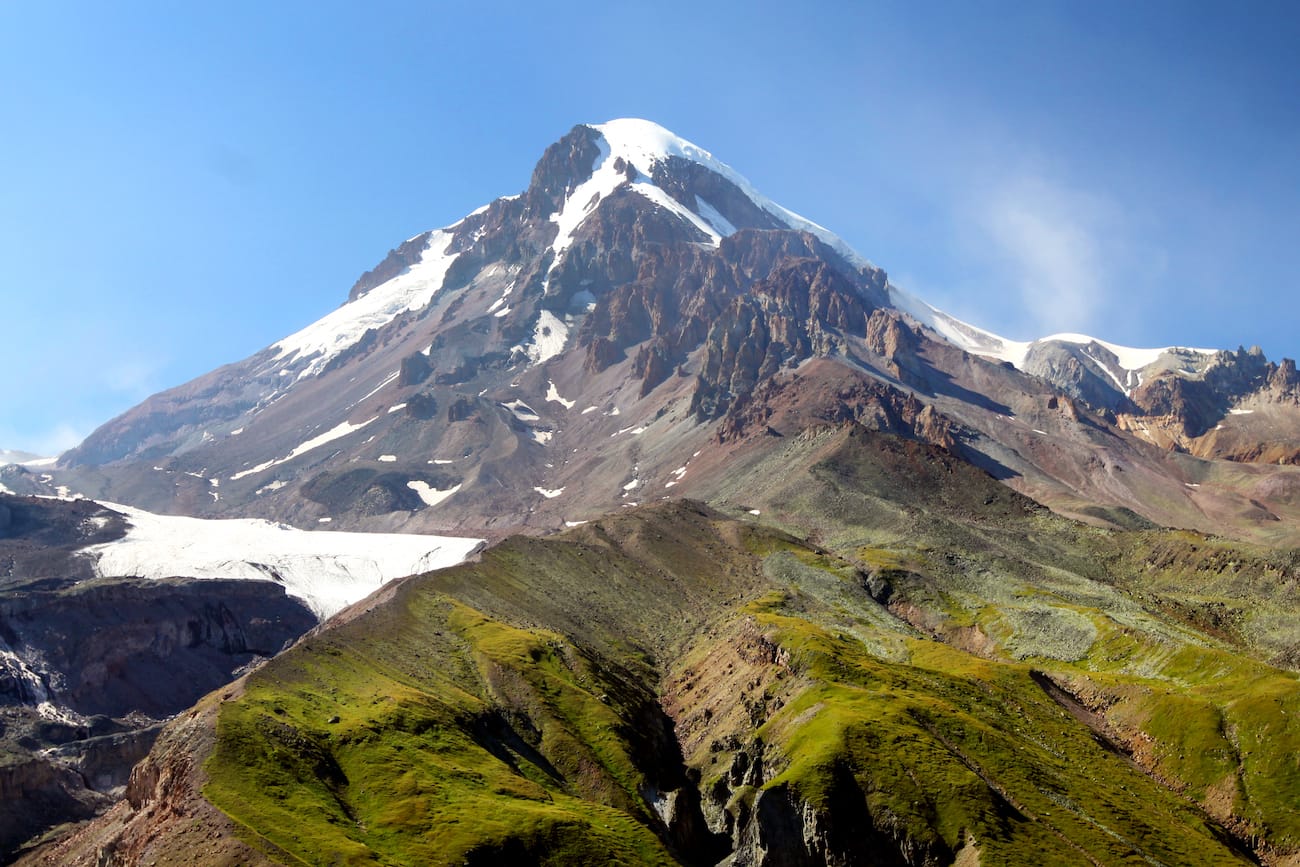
327 570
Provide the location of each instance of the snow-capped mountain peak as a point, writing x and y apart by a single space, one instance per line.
643 144
653 287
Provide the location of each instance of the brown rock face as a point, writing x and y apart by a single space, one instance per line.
821 394
1196 405
164 817
562 167
898 343
118 646
803 308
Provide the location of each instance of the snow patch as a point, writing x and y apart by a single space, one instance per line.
549 336
388 459
548 493
522 411
431 495
378 388
720 224
542 436
1241 412
581 202
328 570
553 393
572 524
668 203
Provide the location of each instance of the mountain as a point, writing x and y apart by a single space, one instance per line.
565 351
786 567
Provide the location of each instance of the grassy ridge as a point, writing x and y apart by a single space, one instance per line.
950 670
335 754
951 746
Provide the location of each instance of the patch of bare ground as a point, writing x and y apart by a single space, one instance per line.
729 684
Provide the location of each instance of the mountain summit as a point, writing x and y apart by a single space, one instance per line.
640 310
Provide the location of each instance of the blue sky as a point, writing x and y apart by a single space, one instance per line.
183 184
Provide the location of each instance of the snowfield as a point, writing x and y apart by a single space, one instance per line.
328 570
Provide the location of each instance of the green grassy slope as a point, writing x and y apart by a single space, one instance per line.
946 672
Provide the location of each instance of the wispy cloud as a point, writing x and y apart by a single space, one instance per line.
46 443
60 438
136 378
1055 247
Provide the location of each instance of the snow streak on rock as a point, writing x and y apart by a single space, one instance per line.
413 289
340 430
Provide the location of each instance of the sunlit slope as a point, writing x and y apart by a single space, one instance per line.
939 676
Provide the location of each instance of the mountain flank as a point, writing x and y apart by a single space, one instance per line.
950 668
